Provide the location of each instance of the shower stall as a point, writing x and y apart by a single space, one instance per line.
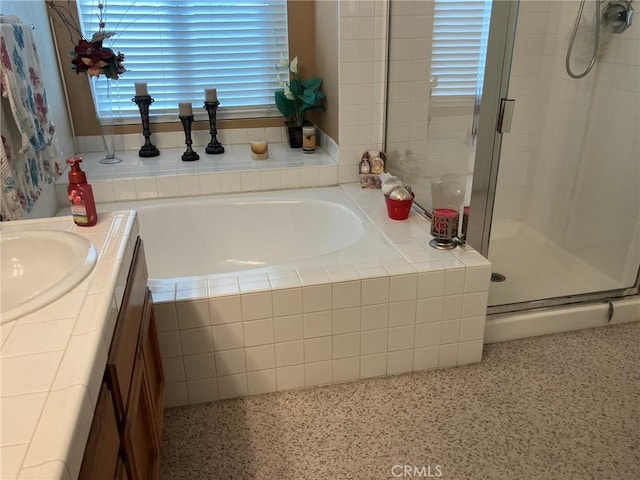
545 142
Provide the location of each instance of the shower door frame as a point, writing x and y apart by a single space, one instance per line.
504 16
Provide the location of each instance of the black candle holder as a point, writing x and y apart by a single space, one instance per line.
189 155
214 146
148 149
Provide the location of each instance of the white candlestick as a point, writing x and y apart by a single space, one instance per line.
141 89
210 95
184 109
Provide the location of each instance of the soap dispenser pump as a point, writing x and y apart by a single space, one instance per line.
83 206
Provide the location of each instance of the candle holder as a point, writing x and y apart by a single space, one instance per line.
148 149
189 155
214 146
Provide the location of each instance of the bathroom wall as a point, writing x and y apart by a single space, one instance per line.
35 13
570 168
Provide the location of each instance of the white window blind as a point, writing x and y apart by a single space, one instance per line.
181 47
460 33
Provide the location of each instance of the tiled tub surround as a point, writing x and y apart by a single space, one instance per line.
52 360
166 176
408 308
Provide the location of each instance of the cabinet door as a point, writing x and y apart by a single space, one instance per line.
152 362
101 455
124 345
141 441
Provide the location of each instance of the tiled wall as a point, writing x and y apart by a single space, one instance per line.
236 336
362 79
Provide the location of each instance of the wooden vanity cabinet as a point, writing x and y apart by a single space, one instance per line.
124 441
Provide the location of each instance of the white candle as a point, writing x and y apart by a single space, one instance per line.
210 95
184 109
141 89
259 150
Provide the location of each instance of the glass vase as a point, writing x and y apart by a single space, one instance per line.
105 117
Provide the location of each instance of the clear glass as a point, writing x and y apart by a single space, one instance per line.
105 121
566 216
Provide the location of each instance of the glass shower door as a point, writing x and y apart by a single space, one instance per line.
559 214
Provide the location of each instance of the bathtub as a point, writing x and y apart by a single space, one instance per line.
268 291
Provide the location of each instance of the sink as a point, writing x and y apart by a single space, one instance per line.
38 267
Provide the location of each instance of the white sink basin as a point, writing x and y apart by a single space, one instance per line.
39 267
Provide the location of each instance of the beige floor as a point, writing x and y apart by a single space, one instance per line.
559 407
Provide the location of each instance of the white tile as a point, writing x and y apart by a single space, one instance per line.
230 182
168 187
258 332
175 394
146 187
124 189
227 337
474 304
470 352
256 305
402 313
193 314
399 362
373 365
346 294
290 377
451 307
318 373
375 291
199 366
347 345
429 310
400 338
288 328
289 353
477 279
20 425
53 469
454 281
262 381
209 183
447 355
317 349
173 370
287 301
425 358
42 368
38 337
226 309
260 357
196 340
53 438
232 386
346 369
450 331
431 284
202 390
472 328
403 287
375 316
166 316
230 362
188 185
346 320
373 341
317 324
169 344
316 298
427 334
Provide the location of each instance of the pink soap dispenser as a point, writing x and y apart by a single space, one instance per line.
83 206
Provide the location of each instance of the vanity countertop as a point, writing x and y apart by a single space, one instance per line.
52 360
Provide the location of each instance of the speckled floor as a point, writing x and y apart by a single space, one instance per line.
558 407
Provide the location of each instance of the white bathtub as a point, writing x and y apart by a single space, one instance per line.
262 231
268 291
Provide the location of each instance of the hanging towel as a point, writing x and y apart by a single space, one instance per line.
28 156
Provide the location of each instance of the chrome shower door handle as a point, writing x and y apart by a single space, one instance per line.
505 116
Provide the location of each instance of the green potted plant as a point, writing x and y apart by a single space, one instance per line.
297 97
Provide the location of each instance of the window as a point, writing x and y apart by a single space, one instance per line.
460 33
181 47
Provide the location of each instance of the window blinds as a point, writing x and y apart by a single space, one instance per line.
181 47
460 33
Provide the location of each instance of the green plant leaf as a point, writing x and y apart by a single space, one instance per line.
312 83
285 106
